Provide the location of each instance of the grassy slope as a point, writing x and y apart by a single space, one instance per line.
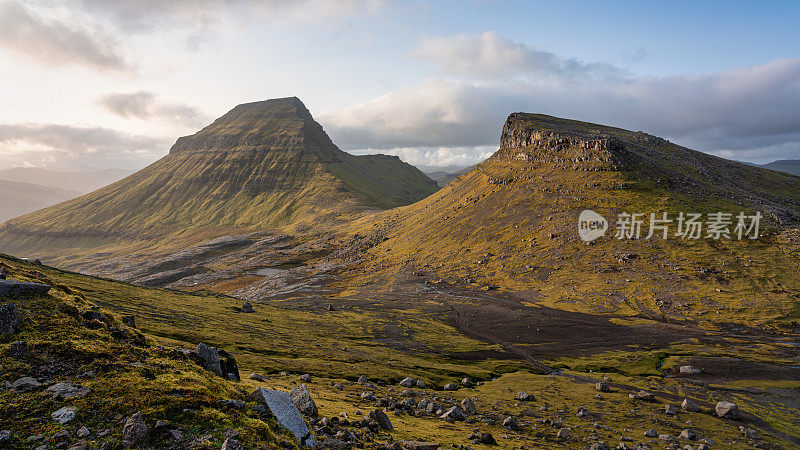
21 198
524 216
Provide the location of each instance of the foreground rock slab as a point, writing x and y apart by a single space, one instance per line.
21 288
281 406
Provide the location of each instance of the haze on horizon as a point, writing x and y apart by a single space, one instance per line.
91 83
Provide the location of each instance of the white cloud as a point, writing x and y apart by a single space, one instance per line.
52 42
145 106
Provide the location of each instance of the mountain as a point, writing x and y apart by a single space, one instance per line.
784 165
80 181
21 198
512 224
262 165
442 177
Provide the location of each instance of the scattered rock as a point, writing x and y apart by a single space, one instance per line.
524 396
18 349
281 406
5 435
689 370
688 405
82 432
511 423
563 433
455 414
302 399
256 377
602 386
209 358
420 384
381 418
666 438
408 382
482 438
65 390
750 433
10 289
727 410
363 380
369 396
469 406
450 387
238 405
231 444
599 445
247 307
418 445
651 433
644 395
467 383
25 384
306 378
688 434
671 410
64 414
135 432
61 438
176 435
9 317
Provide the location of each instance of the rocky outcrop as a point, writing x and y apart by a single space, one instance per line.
9 318
302 399
217 361
10 289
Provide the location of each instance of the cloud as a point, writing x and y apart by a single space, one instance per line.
54 144
492 56
748 112
52 42
145 106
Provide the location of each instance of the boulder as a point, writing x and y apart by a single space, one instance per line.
408 382
369 396
469 406
688 434
65 390
645 396
524 396
306 378
727 410
671 410
25 384
256 377
209 358
450 387
64 414
10 289
280 405
231 444
467 383
302 399
455 414
6 435
482 438
511 423
689 370
420 384
135 432
83 432
690 406
247 307
381 418
599 445
651 433
363 380
9 318
228 365
563 433
2 273
238 405
602 386
18 349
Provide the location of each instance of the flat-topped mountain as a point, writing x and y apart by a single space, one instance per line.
512 224
263 165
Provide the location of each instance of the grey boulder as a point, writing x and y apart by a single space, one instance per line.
281 406
22 288
9 318
302 399
727 410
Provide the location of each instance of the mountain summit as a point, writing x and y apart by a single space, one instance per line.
262 165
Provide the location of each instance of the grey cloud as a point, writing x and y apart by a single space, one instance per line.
145 106
741 113
492 56
55 43
75 140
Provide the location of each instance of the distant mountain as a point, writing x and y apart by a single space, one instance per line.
18 198
443 178
785 165
262 165
80 181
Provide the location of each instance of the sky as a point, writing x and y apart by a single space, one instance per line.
94 83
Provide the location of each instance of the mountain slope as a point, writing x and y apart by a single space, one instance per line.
262 165
511 224
21 198
784 165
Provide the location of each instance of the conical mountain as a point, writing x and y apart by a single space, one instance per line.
263 165
512 223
